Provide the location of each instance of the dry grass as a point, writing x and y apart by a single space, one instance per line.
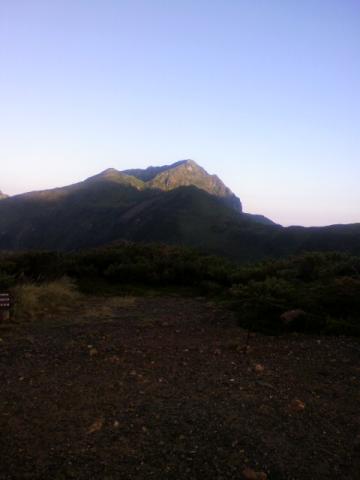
61 300
122 302
33 301
108 307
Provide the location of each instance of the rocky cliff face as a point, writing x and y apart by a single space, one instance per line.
183 174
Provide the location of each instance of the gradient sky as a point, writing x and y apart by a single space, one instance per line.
264 93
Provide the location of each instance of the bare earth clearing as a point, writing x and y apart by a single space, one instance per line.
160 388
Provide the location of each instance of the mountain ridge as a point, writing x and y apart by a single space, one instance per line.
177 204
168 177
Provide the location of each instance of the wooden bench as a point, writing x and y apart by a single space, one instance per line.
5 306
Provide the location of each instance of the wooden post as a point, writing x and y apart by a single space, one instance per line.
5 306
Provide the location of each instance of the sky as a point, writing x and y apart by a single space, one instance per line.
264 93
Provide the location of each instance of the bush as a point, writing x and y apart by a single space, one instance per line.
38 300
6 281
260 303
326 287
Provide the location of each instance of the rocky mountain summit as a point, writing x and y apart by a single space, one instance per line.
183 174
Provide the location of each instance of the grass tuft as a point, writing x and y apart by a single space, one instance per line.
33 301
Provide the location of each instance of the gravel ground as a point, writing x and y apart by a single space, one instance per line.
163 388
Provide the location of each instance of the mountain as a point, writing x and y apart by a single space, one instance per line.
183 174
2 195
176 204
145 206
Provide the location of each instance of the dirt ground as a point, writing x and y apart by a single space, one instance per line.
160 388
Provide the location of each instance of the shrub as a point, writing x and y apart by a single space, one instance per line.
6 281
38 300
260 303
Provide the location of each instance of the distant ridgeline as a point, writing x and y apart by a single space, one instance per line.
173 204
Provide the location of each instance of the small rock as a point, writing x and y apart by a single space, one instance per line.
265 409
250 474
292 316
93 352
116 424
259 368
262 476
96 426
114 359
297 405
265 384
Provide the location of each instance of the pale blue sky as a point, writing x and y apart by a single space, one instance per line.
264 93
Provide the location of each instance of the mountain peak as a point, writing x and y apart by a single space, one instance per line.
187 161
188 164
188 173
115 176
185 173
109 171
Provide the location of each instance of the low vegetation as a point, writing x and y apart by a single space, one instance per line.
36 301
317 292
